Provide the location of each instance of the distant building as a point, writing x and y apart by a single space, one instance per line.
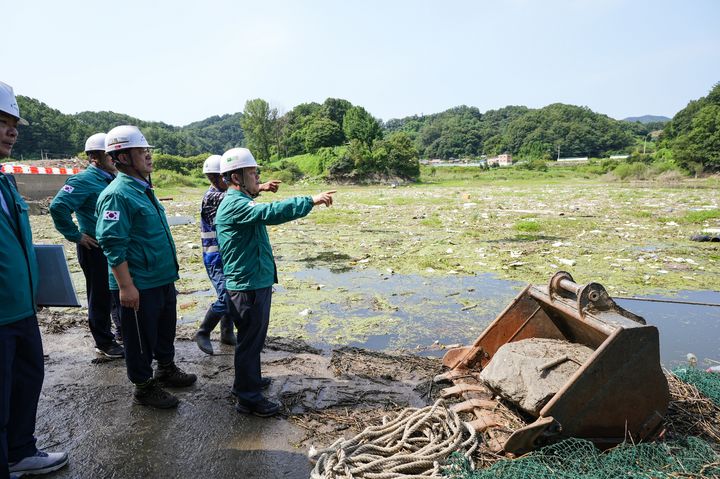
500 160
619 157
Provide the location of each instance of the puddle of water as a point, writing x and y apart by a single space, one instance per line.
684 328
426 309
174 220
423 309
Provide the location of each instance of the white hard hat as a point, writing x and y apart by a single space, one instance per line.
125 136
8 103
96 142
212 164
236 158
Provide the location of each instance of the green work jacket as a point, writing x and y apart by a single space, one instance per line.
79 196
132 227
248 261
18 265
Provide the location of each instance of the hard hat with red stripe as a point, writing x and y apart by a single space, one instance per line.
123 137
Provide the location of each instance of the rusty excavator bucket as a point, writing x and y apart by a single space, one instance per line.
618 392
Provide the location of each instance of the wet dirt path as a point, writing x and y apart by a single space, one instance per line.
87 410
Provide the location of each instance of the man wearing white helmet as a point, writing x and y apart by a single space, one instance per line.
218 311
133 232
250 268
79 195
22 367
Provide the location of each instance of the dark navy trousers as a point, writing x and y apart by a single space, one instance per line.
250 311
21 377
101 306
156 322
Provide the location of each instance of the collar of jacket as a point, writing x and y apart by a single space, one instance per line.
100 173
132 181
234 192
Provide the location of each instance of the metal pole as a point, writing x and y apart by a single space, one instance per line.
673 301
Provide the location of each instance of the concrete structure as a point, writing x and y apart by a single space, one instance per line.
39 187
501 160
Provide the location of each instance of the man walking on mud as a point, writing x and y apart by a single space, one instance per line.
218 311
250 268
134 234
79 195
22 367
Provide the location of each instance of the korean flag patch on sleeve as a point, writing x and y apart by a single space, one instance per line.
111 215
68 189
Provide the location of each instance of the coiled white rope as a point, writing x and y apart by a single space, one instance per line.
410 446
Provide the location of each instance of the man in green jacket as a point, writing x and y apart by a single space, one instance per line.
134 234
79 195
250 270
22 368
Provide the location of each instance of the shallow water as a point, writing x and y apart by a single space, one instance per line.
430 309
450 309
683 328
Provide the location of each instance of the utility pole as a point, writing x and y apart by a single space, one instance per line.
558 152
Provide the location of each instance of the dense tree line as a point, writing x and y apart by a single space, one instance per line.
693 135
307 128
60 135
354 143
528 133
323 128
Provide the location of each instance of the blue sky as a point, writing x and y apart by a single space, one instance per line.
181 61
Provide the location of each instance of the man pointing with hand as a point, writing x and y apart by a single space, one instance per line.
250 269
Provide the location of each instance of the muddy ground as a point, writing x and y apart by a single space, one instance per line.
86 407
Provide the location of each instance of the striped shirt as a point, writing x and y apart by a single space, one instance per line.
210 202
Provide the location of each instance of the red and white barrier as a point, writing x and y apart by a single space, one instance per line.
39 170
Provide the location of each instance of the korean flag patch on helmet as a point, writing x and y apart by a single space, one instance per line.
111 215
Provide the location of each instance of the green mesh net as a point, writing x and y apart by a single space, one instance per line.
579 459
689 457
707 383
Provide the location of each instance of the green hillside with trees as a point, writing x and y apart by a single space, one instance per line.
693 135
59 135
344 142
526 133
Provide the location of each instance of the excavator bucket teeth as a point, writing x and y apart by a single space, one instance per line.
464 388
455 374
617 390
485 422
471 404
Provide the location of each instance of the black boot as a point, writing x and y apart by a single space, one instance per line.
227 331
151 394
202 337
170 375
